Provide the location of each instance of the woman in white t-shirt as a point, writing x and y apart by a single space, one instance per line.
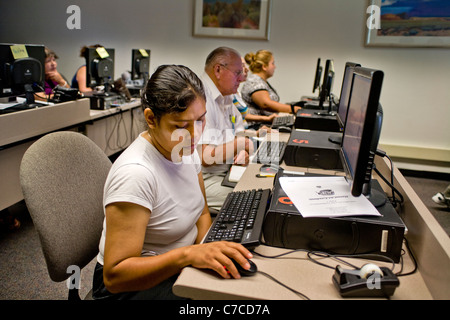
155 209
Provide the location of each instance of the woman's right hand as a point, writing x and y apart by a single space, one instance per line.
271 117
217 256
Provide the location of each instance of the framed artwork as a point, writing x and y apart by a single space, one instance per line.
246 19
408 23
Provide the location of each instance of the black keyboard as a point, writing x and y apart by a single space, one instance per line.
270 152
21 107
283 121
241 218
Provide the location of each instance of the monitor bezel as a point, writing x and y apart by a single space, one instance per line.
363 167
136 54
349 66
327 82
7 86
317 76
91 54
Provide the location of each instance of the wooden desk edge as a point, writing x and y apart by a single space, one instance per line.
429 242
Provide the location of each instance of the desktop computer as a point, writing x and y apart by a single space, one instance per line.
103 102
285 227
313 149
316 120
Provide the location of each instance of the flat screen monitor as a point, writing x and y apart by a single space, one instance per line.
99 67
140 64
22 73
327 83
346 88
362 130
318 75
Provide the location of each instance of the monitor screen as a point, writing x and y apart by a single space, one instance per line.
316 84
140 64
99 67
327 82
346 87
22 71
361 131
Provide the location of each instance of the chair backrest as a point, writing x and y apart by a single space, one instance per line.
62 177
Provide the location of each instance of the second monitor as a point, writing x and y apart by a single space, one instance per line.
140 71
100 68
319 145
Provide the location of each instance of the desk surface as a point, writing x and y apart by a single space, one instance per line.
295 270
26 124
22 125
96 114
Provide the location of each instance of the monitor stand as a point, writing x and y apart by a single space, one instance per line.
335 139
328 112
375 196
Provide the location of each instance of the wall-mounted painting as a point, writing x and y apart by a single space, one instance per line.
410 23
248 19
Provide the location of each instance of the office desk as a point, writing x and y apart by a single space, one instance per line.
430 248
112 130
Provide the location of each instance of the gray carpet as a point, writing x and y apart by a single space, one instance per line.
24 275
425 189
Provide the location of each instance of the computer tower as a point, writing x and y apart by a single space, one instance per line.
106 102
313 149
285 227
316 120
314 104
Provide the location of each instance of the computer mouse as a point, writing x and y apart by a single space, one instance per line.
246 273
284 129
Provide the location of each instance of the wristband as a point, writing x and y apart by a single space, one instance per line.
293 109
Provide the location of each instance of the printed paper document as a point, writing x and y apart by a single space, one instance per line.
325 197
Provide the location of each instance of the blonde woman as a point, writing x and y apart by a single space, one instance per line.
261 97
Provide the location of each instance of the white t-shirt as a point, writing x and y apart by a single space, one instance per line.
223 121
171 191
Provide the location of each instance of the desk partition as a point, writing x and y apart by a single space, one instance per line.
112 130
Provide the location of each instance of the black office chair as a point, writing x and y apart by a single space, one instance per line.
62 177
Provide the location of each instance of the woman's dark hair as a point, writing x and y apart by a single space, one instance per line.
85 48
50 53
171 89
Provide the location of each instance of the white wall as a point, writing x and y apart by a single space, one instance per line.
415 94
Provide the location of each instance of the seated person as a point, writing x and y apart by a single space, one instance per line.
260 96
79 79
243 108
154 199
52 76
224 141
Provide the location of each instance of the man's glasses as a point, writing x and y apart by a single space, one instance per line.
237 74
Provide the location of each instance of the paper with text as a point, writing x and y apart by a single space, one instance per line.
325 197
